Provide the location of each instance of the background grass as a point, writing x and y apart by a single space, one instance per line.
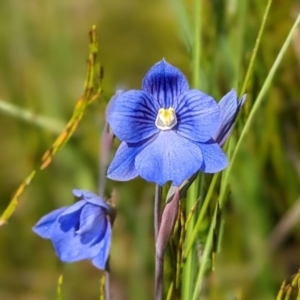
42 69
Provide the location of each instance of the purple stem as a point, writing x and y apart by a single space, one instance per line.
166 226
159 274
157 208
106 142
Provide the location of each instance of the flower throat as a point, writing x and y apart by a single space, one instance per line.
166 119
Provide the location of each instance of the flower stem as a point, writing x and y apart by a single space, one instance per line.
107 285
166 227
157 208
159 274
106 142
102 179
159 255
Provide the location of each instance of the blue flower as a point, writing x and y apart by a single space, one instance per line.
229 109
166 130
80 231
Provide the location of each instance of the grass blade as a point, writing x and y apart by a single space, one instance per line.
91 92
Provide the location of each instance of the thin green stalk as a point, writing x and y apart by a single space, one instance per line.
184 22
170 291
179 251
192 238
255 107
197 43
205 256
188 267
288 293
59 285
257 42
258 101
28 116
239 41
107 285
281 291
102 287
92 90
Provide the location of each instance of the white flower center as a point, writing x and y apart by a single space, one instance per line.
166 119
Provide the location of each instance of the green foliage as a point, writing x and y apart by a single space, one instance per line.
240 239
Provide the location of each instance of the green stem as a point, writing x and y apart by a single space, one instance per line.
257 42
239 42
59 285
31 117
255 107
192 238
187 273
197 43
184 23
107 285
170 291
188 267
206 251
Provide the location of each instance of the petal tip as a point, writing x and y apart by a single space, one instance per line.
242 100
77 193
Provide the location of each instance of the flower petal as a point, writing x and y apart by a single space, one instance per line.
229 109
70 217
98 201
83 194
44 225
166 83
112 101
122 167
91 198
92 223
69 247
168 157
214 159
198 116
132 116
100 259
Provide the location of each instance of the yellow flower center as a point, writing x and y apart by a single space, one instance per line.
166 119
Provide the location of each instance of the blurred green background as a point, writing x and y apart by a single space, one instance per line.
44 46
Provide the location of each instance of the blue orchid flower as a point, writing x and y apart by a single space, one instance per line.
166 130
80 231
